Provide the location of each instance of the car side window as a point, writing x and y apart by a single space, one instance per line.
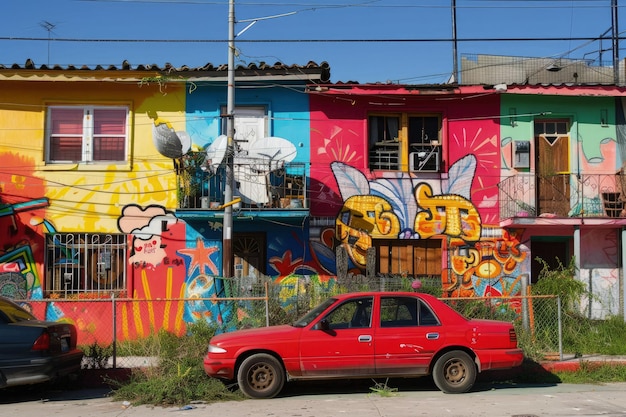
12 313
351 314
405 312
427 317
398 312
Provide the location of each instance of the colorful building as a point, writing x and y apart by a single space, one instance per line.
113 184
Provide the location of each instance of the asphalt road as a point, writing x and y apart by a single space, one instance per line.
413 399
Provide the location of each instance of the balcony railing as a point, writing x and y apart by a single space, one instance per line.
562 195
259 185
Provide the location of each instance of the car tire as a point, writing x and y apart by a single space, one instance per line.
454 372
261 376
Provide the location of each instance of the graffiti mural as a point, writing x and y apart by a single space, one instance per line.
482 260
145 226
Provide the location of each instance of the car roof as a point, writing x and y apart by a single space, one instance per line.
384 294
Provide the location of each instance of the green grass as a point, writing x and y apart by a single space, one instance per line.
593 373
179 379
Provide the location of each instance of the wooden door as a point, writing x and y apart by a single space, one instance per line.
552 168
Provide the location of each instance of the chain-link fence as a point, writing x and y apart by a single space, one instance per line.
121 332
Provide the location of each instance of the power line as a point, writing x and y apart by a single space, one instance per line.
395 40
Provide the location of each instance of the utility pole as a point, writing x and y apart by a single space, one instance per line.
455 63
227 242
615 39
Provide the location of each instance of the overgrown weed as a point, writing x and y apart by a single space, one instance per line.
179 377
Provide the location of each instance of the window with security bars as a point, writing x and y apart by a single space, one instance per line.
87 134
84 263
404 142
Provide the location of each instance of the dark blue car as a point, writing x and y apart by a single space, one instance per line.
34 351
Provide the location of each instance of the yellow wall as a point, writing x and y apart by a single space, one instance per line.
86 198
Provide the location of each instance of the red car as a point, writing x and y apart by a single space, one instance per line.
366 335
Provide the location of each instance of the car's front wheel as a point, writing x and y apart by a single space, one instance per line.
454 372
261 376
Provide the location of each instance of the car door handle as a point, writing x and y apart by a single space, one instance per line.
432 336
366 338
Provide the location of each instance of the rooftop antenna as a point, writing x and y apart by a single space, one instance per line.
48 26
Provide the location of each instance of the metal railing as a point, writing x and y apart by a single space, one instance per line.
562 195
259 184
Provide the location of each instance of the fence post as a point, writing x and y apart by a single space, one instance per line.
114 344
267 306
558 304
526 300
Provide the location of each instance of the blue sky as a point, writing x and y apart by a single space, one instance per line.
376 55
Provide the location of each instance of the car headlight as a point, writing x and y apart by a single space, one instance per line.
216 349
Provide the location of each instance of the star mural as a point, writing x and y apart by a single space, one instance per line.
200 257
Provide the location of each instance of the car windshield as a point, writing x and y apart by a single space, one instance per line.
313 314
13 313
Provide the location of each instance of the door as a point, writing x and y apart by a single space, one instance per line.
552 167
408 337
554 251
249 255
346 347
250 126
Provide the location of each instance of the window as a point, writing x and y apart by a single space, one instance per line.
351 314
85 263
403 142
87 134
404 312
550 127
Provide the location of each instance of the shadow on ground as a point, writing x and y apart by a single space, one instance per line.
529 373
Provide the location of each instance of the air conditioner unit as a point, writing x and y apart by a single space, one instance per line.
427 160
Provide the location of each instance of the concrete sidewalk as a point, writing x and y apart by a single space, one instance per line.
486 400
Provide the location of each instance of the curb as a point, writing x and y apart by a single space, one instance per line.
104 378
576 364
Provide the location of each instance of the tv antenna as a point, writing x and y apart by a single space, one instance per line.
48 26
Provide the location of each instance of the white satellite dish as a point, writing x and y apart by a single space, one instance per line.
170 143
216 151
273 149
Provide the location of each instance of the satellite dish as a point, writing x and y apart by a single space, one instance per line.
170 143
216 151
273 149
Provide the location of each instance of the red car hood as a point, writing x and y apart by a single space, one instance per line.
260 334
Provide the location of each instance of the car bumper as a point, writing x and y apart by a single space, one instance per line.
220 368
499 359
35 370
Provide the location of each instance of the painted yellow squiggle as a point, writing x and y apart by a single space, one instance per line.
168 296
179 312
125 331
146 291
137 317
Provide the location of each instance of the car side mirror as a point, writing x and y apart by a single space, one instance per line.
323 325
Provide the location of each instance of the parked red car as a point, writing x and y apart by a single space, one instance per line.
366 335
34 351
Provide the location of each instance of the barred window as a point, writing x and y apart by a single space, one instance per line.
85 263
401 142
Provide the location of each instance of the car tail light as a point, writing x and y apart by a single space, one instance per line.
42 342
512 336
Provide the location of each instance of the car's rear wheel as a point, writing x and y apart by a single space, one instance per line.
454 372
261 376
